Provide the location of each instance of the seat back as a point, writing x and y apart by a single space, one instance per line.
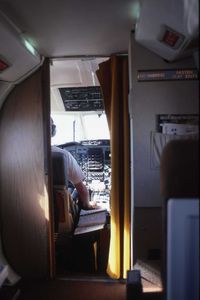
59 164
179 181
179 169
64 207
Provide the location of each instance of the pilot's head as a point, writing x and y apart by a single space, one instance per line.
53 128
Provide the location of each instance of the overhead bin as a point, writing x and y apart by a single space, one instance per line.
18 58
169 28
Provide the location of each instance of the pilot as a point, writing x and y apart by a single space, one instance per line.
75 175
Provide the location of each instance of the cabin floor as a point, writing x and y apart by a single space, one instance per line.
83 276
89 259
86 286
86 269
73 290
150 274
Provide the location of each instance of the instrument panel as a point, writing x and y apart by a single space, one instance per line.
94 158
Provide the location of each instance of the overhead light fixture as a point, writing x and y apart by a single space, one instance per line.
17 32
135 11
29 45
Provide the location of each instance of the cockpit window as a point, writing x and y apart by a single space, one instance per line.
76 127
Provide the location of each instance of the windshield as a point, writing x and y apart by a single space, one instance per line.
79 126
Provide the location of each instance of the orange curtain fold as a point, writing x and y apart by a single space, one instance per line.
113 78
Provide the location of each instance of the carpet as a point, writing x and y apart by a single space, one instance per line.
72 290
150 275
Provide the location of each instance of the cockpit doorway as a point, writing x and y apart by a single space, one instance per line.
77 110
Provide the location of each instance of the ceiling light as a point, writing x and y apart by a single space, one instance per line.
29 46
136 10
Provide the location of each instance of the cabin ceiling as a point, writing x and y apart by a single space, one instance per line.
74 28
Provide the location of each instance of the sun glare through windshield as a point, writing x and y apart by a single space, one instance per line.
78 127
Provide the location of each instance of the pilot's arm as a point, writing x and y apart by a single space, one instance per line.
74 174
84 196
76 177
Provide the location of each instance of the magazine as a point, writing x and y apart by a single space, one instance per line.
91 220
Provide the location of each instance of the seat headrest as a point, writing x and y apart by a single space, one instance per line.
179 169
59 165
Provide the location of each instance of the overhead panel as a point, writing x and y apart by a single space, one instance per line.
82 98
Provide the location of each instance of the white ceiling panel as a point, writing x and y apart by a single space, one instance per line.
72 28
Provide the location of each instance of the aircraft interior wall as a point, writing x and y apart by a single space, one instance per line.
24 205
148 100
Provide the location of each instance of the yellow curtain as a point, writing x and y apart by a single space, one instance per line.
113 78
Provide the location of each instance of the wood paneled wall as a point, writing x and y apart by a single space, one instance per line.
24 208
